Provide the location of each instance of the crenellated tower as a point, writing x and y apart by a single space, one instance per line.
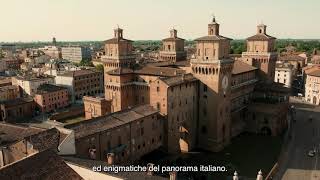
261 53
213 67
173 48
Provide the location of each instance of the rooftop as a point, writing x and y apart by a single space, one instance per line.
45 165
212 38
116 40
241 67
17 101
173 39
103 123
314 72
284 65
11 132
33 77
47 88
176 80
124 175
260 37
78 73
291 57
5 88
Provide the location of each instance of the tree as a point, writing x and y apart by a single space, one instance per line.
99 67
86 62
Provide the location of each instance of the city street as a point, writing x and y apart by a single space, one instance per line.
296 164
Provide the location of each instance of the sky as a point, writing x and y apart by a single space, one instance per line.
82 20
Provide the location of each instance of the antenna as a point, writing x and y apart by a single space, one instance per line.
213 17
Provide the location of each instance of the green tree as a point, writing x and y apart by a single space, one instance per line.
86 62
99 67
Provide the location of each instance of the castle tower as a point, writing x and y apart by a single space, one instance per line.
118 59
213 67
118 52
261 53
173 48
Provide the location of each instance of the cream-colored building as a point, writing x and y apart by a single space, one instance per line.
30 84
284 74
312 85
52 51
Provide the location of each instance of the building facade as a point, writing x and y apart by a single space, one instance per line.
284 74
9 92
17 110
95 106
81 83
243 81
312 85
52 51
76 53
121 137
30 83
49 98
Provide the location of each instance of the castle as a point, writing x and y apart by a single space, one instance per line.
203 101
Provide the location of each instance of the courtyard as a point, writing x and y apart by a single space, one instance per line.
247 154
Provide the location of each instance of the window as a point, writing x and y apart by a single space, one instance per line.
158 89
119 140
158 105
204 130
142 131
205 88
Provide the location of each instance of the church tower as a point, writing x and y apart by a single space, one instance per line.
173 48
213 67
261 53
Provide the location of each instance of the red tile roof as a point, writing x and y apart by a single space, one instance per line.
241 67
45 165
260 37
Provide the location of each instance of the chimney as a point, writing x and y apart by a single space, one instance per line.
110 158
150 169
173 175
259 176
